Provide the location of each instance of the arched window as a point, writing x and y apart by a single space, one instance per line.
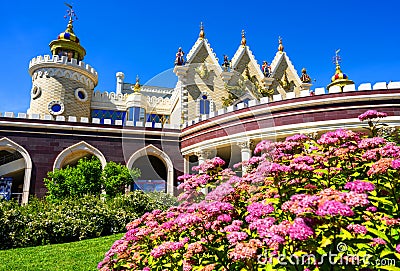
204 105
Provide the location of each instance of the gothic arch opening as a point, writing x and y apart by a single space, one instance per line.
72 154
156 168
15 170
153 174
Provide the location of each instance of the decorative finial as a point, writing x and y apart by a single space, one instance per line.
280 47
201 34
137 86
72 17
243 39
337 59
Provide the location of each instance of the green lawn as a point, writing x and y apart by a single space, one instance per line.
76 256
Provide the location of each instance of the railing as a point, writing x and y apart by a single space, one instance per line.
9 158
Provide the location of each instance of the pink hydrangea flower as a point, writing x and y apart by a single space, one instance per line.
398 248
299 230
378 241
333 208
359 186
371 114
356 228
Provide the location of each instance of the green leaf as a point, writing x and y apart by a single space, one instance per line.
389 267
379 234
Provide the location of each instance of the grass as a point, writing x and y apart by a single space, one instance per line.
83 255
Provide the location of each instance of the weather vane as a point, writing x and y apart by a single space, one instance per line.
70 13
337 59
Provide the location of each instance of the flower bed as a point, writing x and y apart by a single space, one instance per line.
304 204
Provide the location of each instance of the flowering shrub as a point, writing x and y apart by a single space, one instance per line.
42 222
303 204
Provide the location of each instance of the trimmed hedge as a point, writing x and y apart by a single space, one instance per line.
41 222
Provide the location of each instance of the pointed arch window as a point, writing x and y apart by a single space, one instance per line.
204 105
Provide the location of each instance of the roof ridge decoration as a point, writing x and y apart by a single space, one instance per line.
279 56
202 41
240 53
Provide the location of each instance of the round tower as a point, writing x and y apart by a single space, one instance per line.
62 84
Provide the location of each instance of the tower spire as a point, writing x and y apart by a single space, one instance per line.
67 43
280 46
243 38
201 34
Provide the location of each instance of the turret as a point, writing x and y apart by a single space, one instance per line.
62 84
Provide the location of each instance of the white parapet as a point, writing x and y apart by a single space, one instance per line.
34 116
379 85
290 95
108 121
253 102
20 115
60 118
130 123
9 114
118 122
393 85
304 93
196 120
320 91
158 125
96 120
139 124
221 111
213 114
277 97
241 105
230 108
84 120
364 86
349 88
264 100
204 117
148 124
334 89
72 119
48 117
167 126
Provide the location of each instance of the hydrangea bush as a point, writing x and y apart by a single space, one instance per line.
303 204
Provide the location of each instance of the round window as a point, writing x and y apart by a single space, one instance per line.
35 92
56 107
81 94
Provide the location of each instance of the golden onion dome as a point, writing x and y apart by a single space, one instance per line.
68 44
68 34
339 78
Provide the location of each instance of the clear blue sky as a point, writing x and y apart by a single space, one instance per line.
141 37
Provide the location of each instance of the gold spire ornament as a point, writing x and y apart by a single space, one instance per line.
243 39
280 46
67 43
201 34
137 87
339 78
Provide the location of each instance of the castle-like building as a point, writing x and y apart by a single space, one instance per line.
217 108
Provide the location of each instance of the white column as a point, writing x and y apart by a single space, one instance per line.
186 164
120 82
245 151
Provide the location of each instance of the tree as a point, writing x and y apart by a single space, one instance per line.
116 177
84 178
88 177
